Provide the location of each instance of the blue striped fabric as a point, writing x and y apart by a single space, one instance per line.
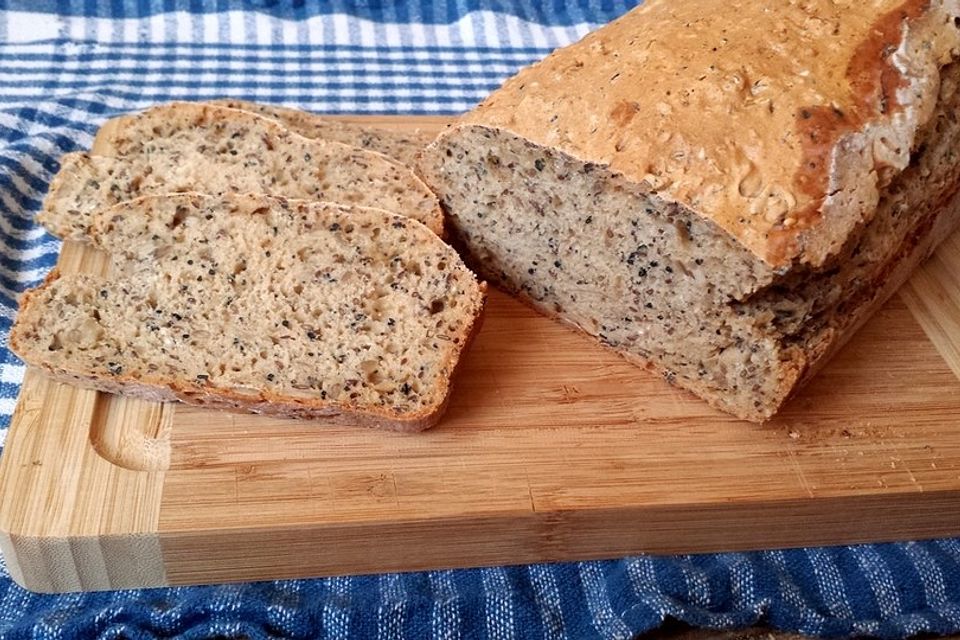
66 65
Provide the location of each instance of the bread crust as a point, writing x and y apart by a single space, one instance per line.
824 108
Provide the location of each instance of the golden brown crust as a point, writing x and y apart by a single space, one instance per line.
778 121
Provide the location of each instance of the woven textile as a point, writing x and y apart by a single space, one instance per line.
67 65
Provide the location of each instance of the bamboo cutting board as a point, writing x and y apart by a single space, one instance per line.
553 449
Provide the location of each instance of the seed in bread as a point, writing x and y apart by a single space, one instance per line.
247 302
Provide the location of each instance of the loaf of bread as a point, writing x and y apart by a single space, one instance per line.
246 302
398 145
184 146
722 192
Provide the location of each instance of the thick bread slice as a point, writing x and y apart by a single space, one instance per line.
247 302
606 198
184 147
399 145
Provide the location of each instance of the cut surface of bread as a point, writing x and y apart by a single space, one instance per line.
247 302
189 147
402 146
546 210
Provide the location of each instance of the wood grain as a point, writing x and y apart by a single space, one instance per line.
553 449
933 295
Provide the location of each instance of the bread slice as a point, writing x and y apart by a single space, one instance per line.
183 147
247 302
398 145
725 211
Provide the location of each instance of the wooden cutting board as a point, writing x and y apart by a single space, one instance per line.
553 449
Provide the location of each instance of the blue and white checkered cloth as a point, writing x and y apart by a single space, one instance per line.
67 65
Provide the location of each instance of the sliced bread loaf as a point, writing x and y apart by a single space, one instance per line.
183 147
399 145
722 208
247 302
